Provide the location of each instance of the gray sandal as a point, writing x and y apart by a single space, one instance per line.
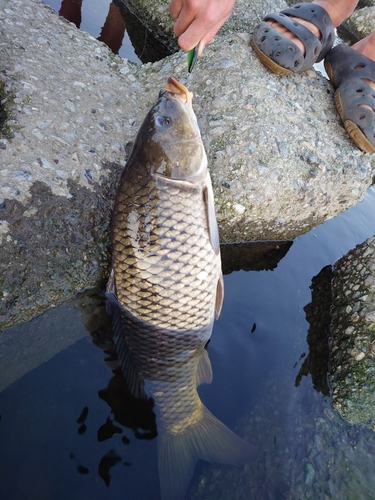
348 70
282 56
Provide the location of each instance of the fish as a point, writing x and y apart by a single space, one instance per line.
166 288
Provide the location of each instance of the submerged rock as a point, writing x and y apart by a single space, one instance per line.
341 337
27 346
353 335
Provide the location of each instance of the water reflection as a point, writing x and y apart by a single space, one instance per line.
147 45
253 256
318 314
163 369
122 31
113 29
125 410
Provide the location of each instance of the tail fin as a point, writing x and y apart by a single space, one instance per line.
209 440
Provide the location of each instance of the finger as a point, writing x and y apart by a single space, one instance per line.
188 41
183 22
198 33
175 7
209 36
201 46
206 40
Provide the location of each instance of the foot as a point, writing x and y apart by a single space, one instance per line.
291 36
352 73
338 12
292 40
366 46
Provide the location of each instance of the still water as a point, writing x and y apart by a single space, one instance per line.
101 19
70 430
114 25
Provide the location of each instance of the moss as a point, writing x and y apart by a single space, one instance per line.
238 165
220 143
6 110
58 251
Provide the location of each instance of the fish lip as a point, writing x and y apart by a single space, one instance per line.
179 91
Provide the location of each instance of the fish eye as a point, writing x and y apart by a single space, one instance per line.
163 121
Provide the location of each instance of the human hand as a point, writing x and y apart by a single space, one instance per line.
198 21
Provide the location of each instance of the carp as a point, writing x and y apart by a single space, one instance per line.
166 288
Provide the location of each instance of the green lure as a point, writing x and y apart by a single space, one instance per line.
192 58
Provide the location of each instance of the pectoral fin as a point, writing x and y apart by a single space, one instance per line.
111 285
204 369
219 296
211 217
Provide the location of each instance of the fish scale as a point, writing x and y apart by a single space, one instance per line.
138 262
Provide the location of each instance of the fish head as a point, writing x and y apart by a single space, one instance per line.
170 139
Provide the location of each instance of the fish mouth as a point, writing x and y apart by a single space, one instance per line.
182 94
180 91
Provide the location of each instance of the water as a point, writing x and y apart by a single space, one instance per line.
70 430
115 26
47 454
91 16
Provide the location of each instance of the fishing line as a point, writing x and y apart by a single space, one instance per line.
144 45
